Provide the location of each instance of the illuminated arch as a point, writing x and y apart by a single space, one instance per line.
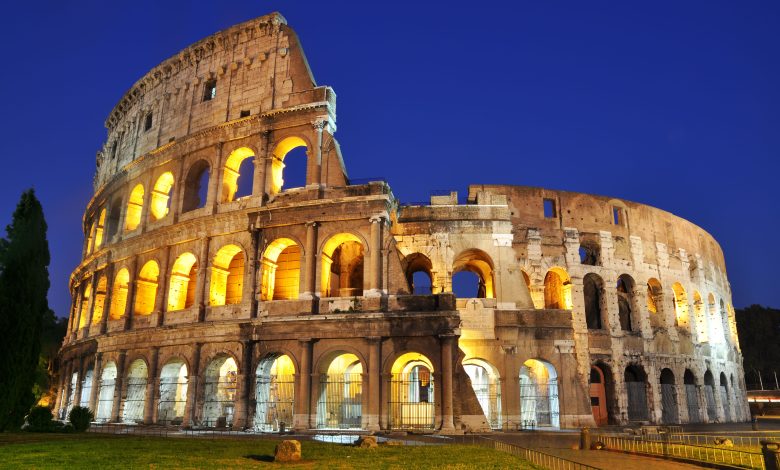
486 382
680 304
173 392
227 276
281 270
105 404
195 194
86 293
181 291
419 263
135 399
232 173
100 299
557 289
412 402
478 262
342 266
700 318
146 288
340 402
220 389
100 228
161 196
277 165
274 392
119 294
715 321
539 394
654 295
135 205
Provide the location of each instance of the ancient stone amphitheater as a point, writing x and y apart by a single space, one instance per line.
213 294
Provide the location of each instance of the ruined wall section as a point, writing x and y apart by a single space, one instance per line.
256 66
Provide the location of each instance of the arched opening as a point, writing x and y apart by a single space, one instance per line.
101 222
636 391
625 295
680 305
74 379
655 302
593 291
557 289
86 388
288 167
274 393
133 409
219 392
724 321
173 393
669 413
486 383
114 216
86 293
184 275
340 403
601 394
100 299
90 237
227 276
119 294
418 269
135 205
196 186
715 324
342 266
725 398
105 405
589 251
281 275
709 395
691 397
238 174
411 393
146 288
159 205
477 262
539 395
700 318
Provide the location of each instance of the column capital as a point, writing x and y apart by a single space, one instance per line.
373 339
312 223
379 218
319 124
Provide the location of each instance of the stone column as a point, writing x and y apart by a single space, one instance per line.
60 389
315 179
261 163
192 388
130 302
303 394
215 181
118 386
374 382
447 422
150 405
201 289
96 369
244 386
309 289
161 299
375 271
109 272
91 304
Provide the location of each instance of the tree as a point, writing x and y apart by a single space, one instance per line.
24 285
759 329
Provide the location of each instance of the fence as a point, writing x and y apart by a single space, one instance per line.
708 440
683 451
549 461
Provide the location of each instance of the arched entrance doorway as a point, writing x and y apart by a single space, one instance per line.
106 393
219 392
411 393
340 404
709 395
636 391
487 387
135 399
598 396
691 397
274 393
669 413
538 395
173 393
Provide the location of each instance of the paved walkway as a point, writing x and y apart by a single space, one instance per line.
617 460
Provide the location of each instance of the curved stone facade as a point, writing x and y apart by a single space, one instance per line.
212 294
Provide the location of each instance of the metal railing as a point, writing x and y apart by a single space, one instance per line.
682 451
710 440
542 459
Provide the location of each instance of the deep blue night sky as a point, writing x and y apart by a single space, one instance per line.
673 104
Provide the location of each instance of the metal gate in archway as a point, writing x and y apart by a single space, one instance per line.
712 410
724 399
637 401
412 400
669 412
692 401
340 405
539 404
275 402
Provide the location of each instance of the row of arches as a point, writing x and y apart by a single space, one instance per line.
411 400
287 171
692 401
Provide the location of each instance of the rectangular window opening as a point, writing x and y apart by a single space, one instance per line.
245 113
210 90
549 209
618 216
148 122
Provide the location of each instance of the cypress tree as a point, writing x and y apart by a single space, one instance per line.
24 285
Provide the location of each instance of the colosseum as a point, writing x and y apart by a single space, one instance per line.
220 290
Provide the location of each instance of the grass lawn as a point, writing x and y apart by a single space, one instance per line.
96 451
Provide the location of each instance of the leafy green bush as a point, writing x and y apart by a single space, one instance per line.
80 417
39 419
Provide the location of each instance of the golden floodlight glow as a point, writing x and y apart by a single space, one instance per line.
146 288
557 289
100 299
680 304
161 195
277 166
181 293
99 229
119 294
281 270
84 313
135 205
227 276
231 173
